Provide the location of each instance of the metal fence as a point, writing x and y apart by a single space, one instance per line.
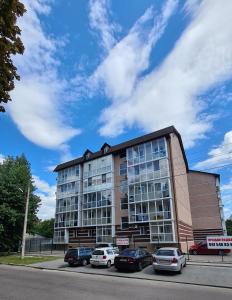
43 245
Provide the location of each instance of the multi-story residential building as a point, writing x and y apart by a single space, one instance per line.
206 205
137 190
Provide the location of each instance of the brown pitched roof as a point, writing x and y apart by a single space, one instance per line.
117 148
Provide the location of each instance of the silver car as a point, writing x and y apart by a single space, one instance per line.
169 259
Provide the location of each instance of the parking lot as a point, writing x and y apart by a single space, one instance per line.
193 274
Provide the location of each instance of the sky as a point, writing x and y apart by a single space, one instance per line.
107 71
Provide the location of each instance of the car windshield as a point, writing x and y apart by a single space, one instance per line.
98 252
72 251
165 253
128 252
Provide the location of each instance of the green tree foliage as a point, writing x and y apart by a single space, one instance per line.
15 175
229 227
10 44
45 228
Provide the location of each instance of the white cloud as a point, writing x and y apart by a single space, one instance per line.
119 72
99 21
227 198
39 97
2 157
218 156
47 194
168 95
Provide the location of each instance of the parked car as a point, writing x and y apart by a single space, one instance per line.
133 259
103 257
169 259
201 248
78 256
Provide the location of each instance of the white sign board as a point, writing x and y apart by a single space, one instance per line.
122 241
219 242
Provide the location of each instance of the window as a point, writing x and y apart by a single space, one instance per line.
124 203
123 186
90 181
123 169
124 222
103 178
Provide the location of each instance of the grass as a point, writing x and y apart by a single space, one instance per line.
16 260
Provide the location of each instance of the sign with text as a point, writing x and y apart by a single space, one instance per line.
219 242
122 241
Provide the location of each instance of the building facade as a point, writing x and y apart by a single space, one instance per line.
138 190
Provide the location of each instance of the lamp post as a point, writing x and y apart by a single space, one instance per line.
25 223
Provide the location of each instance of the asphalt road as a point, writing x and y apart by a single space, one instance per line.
21 283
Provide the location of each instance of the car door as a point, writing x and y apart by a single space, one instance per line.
181 257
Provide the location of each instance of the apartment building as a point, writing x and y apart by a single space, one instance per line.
137 190
206 205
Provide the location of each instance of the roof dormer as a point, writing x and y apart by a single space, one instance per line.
87 154
105 148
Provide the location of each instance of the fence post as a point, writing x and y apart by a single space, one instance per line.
51 245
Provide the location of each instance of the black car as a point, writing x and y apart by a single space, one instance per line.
133 260
78 256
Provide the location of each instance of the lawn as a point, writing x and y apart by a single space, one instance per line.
16 260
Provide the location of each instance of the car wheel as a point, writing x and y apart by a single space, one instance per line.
84 262
185 263
194 252
93 266
139 267
71 264
180 271
156 271
108 264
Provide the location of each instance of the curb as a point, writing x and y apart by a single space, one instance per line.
122 276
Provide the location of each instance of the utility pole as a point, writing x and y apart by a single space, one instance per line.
25 223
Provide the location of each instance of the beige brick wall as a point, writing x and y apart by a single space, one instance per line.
180 181
204 201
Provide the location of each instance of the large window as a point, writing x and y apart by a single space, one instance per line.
150 211
68 174
67 204
147 171
161 232
149 190
146 152
123 169
98 166
103 234
68 219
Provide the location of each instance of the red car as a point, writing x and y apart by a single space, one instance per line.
201 248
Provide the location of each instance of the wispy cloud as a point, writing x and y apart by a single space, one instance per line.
47 194
168 95
119 72
218 156
99 21
38 106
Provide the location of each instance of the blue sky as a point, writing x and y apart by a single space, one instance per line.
100 70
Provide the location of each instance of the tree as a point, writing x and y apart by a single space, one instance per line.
10 44
229 227
15 175
45 228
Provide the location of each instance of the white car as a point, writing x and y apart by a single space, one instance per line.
103 257
169 259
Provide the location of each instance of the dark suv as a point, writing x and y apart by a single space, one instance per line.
78 256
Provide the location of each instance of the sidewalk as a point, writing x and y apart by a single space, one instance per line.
202 274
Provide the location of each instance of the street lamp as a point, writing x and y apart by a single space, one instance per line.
25 222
